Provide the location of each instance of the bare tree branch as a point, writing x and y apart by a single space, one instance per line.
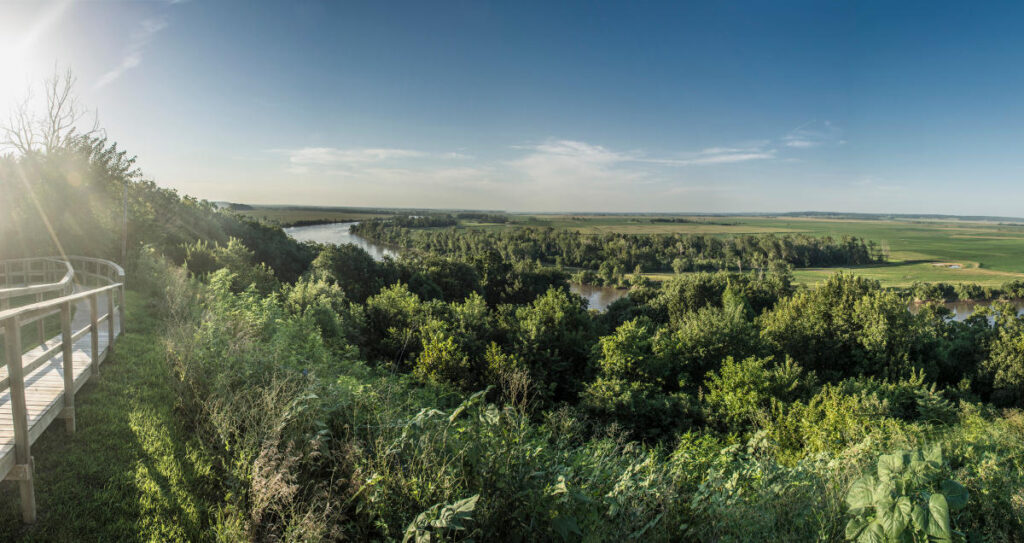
53 129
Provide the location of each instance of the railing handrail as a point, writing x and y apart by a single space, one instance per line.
13 292
29 311
95 276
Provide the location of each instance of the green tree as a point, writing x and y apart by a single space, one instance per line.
553 336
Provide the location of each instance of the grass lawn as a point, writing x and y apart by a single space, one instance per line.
903 274
131 472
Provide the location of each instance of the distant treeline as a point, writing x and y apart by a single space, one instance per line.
948 292
689 220
426 221
614 254
311 222
483 217
903 216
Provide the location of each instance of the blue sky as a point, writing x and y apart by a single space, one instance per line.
547 106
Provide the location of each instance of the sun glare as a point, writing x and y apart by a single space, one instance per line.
20 43
13 67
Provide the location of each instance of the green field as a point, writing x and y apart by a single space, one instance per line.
951 251
919 250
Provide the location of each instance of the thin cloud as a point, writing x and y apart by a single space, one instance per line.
543 176
332 156
575 164
719 155
132 58
813 134
579 150
455 155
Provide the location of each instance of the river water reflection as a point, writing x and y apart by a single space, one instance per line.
965 308
598 298
338 233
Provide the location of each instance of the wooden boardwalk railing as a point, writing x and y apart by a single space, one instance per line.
38 381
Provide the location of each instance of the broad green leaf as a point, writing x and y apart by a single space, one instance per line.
466 505
933 455
919 518
861 494
894 515
884 490
918 472
955 493
872 534
938 517
890 466
855 527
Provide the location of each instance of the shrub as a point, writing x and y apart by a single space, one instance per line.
908 499
742 393
699 342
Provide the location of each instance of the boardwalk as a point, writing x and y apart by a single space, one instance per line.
39 386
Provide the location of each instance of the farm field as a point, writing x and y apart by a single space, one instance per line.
950 251
919 250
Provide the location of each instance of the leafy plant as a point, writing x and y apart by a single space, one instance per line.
907 500
440 519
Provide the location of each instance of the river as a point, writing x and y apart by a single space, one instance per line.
598 298
965 308
338 233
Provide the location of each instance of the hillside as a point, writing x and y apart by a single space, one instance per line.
277 390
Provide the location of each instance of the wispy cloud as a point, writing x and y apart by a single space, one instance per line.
720 155
813 134
552 174
333 156
347 162
577 152
575 164
139 40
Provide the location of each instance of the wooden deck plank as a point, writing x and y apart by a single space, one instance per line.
44 387
36 391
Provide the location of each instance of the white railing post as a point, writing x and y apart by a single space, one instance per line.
40 324
121 309
94 329
22 471
68 348
110 319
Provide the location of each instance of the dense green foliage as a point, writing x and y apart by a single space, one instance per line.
613 255
470 395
